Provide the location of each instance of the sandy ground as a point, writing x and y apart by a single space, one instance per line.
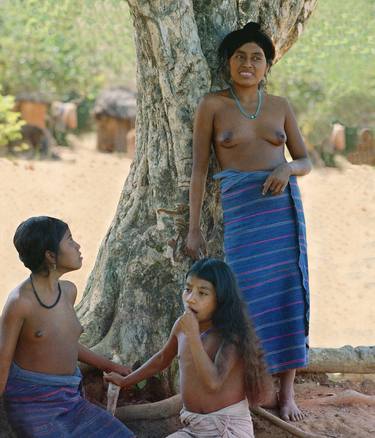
83 188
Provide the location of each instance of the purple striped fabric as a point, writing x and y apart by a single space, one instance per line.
42 405
265 245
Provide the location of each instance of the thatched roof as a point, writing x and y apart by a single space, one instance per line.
116 102
32 96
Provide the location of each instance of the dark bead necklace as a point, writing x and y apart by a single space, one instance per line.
40 301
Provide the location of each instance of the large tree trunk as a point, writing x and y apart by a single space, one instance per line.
133 294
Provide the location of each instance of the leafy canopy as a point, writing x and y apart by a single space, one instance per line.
65 47
327 73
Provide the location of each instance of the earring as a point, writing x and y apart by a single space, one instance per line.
263 83
53 267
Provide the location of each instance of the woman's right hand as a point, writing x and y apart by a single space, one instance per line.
196 246
115 378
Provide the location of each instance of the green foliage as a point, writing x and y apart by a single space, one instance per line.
141 384
327 74
10 123
65 47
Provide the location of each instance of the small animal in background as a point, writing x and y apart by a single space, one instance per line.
36 138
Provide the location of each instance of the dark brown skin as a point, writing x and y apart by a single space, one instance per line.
46 340
211 375
246 145
240 143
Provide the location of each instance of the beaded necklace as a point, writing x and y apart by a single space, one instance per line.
40 301
206 332
241 108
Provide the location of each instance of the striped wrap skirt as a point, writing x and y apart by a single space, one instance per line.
42 405
265 245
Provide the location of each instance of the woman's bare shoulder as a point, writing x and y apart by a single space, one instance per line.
19 299
277 100
214 99
70 289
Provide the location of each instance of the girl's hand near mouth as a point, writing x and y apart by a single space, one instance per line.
189 324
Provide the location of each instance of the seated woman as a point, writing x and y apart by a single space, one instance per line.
39 348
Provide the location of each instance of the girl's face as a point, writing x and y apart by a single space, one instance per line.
69 257
200 297
248 65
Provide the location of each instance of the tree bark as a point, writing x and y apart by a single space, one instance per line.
133 294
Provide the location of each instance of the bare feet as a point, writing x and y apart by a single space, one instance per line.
289 411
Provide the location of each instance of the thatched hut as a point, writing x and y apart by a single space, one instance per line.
33 108
114 112
364 153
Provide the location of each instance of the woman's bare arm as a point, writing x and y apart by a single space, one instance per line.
157 363
85 355
11 322
89 357
301 164
212 374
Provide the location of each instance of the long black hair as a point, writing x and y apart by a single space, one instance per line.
34 237
232 321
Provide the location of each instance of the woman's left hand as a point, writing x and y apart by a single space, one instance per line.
277 180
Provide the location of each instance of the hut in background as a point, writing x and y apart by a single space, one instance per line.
114 113
364 153
33 108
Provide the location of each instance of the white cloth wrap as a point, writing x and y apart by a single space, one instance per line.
231 422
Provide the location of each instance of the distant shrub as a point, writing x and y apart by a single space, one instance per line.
10 122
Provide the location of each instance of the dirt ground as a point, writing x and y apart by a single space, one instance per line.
84 186
332 406
336 406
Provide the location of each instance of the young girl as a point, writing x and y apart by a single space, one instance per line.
39 346
221 367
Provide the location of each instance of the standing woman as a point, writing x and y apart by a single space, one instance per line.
264 229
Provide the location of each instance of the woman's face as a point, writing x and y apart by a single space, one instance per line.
69 256
248 65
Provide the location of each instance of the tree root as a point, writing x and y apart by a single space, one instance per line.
151 411
348 397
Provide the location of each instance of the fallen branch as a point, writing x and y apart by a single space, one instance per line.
283 424
358 360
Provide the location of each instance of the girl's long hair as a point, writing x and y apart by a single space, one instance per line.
232 321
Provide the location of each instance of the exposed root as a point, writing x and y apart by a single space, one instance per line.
348 397
151 411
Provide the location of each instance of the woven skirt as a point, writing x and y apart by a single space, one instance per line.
265 245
